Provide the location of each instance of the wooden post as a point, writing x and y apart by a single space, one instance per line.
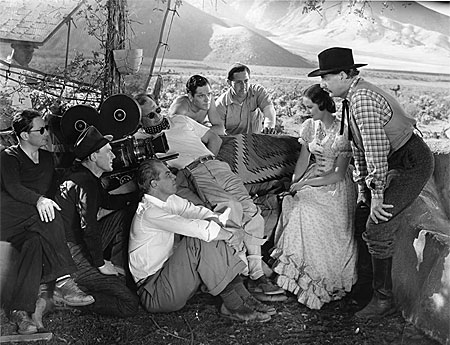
155 55
115 39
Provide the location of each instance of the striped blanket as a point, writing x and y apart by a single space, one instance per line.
260 157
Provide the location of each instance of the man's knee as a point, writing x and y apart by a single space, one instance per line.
33 243
160 304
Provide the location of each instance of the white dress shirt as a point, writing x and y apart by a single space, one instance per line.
154 227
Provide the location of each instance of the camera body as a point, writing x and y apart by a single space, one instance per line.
119 116
130 151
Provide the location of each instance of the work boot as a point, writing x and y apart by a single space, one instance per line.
382 302
68 293
23 321
264 285
256 305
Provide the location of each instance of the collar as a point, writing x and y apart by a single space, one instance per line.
351 89
229 97
153 200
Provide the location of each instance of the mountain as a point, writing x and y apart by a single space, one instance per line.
386 35
194 35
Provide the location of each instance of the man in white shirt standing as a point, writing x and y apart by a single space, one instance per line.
169 268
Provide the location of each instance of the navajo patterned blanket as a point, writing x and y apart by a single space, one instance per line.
260 157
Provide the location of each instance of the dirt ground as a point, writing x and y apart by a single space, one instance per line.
200 323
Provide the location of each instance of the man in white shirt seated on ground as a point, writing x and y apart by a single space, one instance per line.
197 146
169 268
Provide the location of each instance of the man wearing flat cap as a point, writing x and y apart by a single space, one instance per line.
392 163
97 245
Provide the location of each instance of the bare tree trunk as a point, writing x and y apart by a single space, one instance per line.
115 39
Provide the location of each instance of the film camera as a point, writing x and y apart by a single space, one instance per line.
119 116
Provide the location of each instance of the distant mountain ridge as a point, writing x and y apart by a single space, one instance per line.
195 35
400 35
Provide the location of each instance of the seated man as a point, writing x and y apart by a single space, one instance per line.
30 221
169 268
214 180
245 108
197 104
91 241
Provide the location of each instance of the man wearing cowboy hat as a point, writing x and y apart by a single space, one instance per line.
392 163
92 242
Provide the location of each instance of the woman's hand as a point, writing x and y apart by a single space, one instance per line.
46 209
378 210
295 187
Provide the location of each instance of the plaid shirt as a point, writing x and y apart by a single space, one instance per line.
371 112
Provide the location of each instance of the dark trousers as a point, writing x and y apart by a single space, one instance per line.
43 257
112 296
409 170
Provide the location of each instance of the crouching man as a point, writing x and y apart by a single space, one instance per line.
96 245
169 268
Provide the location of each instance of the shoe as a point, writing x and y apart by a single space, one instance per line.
264 285
243 313
382 302
71 295
260 296
24 323
254 304
44 305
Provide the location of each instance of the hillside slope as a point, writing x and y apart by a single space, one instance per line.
194 35
389 35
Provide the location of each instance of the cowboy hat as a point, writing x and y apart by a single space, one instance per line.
335 59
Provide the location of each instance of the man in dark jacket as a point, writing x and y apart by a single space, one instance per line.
95 244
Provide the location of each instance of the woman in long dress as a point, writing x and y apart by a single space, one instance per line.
315 254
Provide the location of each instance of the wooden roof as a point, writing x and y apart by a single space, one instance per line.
34 21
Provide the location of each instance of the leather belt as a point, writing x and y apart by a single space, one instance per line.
198 161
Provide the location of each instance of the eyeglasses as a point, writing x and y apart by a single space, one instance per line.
40 130
152 114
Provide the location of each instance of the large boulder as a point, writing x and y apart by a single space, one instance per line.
421 264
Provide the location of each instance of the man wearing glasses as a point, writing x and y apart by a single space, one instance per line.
31 222
198 104
244 107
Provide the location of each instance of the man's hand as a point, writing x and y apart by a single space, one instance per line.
108 269
378 210
46 209
215 220
236 240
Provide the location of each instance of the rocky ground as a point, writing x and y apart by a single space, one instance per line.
200 323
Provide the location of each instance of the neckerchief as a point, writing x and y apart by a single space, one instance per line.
158 128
